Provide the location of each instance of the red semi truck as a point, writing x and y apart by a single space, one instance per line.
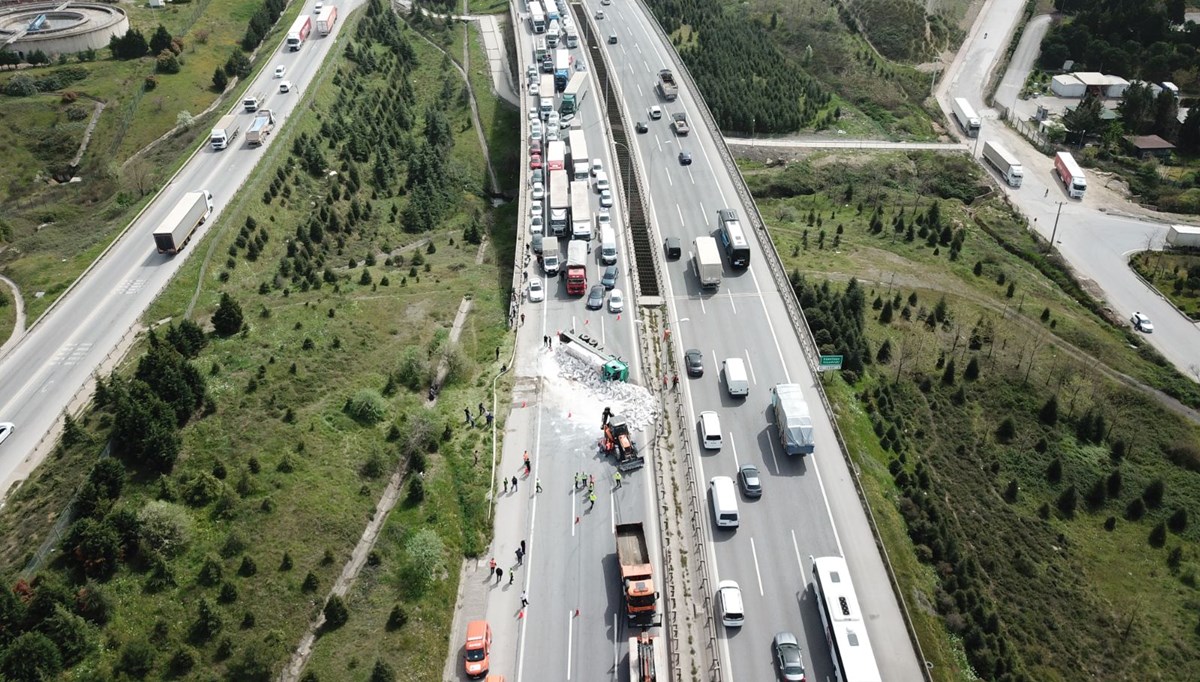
577 267
299 32
326 18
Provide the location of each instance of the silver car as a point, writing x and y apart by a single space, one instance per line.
595 299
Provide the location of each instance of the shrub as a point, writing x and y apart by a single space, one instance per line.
137 659
335 612
1006 431
397 618
367 406
227 320
164 527
1158 535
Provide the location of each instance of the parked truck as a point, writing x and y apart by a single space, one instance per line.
792 418
556 155
560 201
581 211
608 367
1070 174
618 442
577 267
965 114
1004 162
191 212
225 131
260 128
573 94
637 574
667 87
253 102
299 31
562 69
647 659
706 260
579 155
326 18
1183 237
679 124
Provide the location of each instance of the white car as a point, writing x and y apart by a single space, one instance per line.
538 192
318 7
606 199
603 219
6 430
597 167
535 90
1142 323
279 71
616 301
285 86
601 181
599 14
535 208
536 225
655 112
535 133
553 119
536 292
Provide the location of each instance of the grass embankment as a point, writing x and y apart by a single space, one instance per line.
339 299
1175 275
55 231
1045 505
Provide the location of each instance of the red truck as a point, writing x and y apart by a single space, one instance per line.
637 575
299 32
577 267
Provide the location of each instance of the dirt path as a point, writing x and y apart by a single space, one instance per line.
18 329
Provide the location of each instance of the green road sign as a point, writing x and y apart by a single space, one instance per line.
830 362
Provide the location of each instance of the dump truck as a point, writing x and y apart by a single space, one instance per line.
588 350
1183 237
1070 174
706 260
667 87
793 419
1005 163
617 441
299 31
225 131
577 267
253 102
326 18
647 659
192 210
679 124
260 128
637 575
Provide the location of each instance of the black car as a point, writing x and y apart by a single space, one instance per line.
595 299
788 657
693 360
751 483
685 158
671 248
641 127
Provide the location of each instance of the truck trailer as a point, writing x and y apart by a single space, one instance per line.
792 418
1070 174
560 201
965 114
706 260
1183 237
577 267
579 155
562 69
326 19
573 94
667 87
225 131
1004 162
299 31
192 210
260 128
581 211
647 659
608 367
637 574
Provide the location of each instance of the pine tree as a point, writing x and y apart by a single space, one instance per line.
227 320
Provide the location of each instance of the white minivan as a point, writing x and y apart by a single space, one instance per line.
710 430
724 501
608 245
729 599
736 380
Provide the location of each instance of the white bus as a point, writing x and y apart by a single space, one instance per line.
845 629
537 16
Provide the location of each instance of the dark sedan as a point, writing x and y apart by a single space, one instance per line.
693 360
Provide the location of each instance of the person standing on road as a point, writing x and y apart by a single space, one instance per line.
505 486
591 501
491 566
524 599
514 482
537 485
500 574
617 478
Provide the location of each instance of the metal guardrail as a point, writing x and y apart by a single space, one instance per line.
795 315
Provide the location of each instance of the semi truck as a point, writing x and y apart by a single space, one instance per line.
792 418
562 68
192 210
637 574
706 260
577 267
968 120
579 155
647 659
1070 174
581 211
556 155
225 131
253 102
260 128
1004 162
560 201
1183 237
326 18
299 31
618 442
679 124
667 87
573 93
609 367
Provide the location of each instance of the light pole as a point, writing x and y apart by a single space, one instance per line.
1055 230
626 172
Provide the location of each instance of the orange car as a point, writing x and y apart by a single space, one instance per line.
478 648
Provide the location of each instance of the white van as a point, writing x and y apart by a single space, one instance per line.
729 599
547 105
736 380
552 34
710 431
724 501
608 245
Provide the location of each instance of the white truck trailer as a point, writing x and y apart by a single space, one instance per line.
706 260
580 164
225 131
1004 162
581 211
793 419
1183 237
191 212
560 202
966 116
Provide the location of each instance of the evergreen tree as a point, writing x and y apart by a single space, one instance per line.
972 371
227 320
161 40
1048 415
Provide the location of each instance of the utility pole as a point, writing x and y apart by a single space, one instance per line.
1055 230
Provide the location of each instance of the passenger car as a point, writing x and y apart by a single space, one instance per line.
693 360
641 126
595 299
750 480
685 158
671 248
6 430
279 71
538 191
616 301
788 657
536 293
606 198
478 648
655 112
609 278
1142 323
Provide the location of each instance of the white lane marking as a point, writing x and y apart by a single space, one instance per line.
753 379
679 210
757 572
570 640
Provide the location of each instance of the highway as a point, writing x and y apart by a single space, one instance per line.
40 376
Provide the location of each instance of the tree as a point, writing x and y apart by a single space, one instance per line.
144 425
93 547
32 657
70 633
423 558
219 80
227 320
972 371
161 40
336 613
1189 132
187 338
1137 109
884 354
1084 118
1006 431
1178 521
173 379
1166 115
1158 535
164 527
208 621
1048 415
367 406
382 672
12 615
948 373
1114 484
1067 502
138 174
1153 495
255 664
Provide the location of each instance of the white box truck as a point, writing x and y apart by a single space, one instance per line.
1070 174
792 418
1004 162
191 212
225 131
965 114
706 260
1183 237
581 211
580 164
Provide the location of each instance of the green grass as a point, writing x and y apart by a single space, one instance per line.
924 444
487 7
498 117
1168 272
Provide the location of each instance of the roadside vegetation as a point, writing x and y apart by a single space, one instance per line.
814 71
1039 511
1175 275
251 440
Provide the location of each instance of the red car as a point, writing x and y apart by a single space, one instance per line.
535 161
535 147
